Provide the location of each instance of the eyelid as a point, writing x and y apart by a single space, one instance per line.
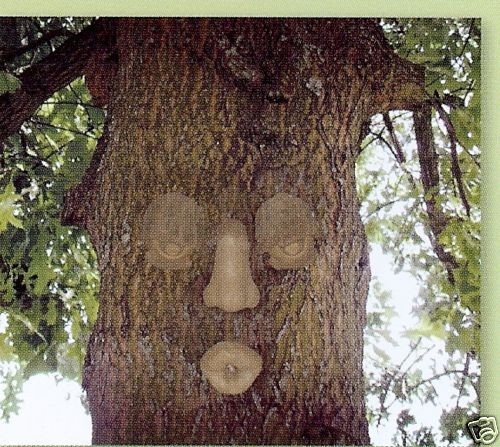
172 251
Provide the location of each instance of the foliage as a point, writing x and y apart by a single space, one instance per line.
8 83
48 273
446 314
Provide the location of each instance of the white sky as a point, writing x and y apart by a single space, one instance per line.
49 414
404 289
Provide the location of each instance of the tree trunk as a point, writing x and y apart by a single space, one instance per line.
231 112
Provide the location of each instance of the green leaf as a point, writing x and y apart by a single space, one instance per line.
453 423
43 362
96 115
7 292
467 340
8 83
428 328
76 159
6 352
52 313
91 306
40 273
381 353
8 204
70 360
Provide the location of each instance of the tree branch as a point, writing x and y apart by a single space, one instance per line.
380 207
396 151
446 372
8 56
455 166
429 170
400 156
54 72
64 129
403 88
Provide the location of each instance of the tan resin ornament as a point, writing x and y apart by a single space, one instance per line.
231 286
285 228
231 367
173 229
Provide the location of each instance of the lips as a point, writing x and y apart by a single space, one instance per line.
231 367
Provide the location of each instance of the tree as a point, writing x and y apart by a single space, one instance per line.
228 112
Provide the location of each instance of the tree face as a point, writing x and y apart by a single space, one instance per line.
236 115
172 230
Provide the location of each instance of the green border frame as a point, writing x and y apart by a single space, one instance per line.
375 8
488 10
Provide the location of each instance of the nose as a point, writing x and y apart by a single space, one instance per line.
231 286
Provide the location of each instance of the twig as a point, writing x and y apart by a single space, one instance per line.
435 377
72 103
380 137
392 378
41 123
455 166
420 357
462 382
381 207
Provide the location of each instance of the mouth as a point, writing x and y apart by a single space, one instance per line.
231 367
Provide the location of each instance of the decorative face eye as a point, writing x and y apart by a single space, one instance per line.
285 228
173 229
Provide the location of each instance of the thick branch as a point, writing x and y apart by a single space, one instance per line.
77 206
401 84
51 74
8 56
428 160
9 36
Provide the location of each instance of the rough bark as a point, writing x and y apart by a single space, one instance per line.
230 112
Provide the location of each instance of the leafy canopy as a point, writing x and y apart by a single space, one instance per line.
440 346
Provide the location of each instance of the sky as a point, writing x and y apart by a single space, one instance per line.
52 413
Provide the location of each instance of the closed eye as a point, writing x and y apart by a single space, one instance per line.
286 229
174 229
